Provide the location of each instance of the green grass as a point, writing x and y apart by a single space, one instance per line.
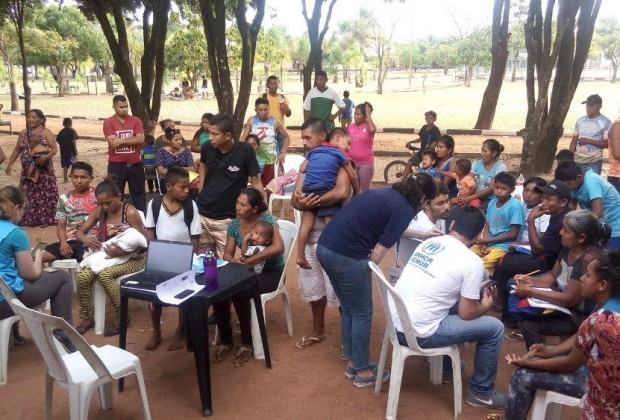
401 106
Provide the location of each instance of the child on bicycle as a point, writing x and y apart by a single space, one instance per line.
427 137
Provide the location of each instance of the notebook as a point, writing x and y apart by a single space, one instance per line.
164 260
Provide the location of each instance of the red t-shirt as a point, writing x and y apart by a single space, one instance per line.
115 127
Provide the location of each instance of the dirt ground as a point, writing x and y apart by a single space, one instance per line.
303 384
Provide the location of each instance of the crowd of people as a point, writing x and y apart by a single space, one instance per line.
546 266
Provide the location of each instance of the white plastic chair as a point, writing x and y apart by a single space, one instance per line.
548 404
99 296
290 162
82 371
5 333
400 352
72 266
288 231
5 337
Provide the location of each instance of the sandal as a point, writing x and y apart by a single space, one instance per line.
85 325
307 342
112 330
220 353
243 355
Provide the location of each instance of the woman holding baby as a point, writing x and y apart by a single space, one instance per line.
42 193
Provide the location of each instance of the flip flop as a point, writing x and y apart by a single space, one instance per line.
307 342
220 353
243 355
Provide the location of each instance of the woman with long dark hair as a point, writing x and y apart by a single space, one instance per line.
43 194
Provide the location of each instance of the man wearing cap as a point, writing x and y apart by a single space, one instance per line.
545 248
589 136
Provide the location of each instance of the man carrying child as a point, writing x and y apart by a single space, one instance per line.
321 169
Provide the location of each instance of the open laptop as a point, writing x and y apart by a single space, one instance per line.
164 260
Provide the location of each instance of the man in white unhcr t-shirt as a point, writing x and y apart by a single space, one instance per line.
441 289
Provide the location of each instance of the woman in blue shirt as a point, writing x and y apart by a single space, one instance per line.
363 231
485 170
25 277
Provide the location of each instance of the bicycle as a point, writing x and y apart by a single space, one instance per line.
393 172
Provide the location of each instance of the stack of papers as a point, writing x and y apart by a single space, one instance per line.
178 289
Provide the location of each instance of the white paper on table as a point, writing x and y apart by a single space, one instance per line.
168 291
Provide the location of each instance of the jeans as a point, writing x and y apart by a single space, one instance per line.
525 382
351 281
486 331
596 167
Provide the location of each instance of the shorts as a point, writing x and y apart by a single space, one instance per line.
314 283
67 161
320 190
77 250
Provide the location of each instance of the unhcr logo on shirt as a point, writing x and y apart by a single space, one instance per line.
432 248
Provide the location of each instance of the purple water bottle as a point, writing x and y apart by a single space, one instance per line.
210 265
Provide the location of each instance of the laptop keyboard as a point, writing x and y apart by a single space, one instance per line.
154 279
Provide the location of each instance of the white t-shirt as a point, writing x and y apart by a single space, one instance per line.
541 223
440 271
173 228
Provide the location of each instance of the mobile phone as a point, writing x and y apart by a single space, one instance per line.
183 294
40 246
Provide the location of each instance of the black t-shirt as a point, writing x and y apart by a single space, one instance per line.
227 174
428 135
65 141
551 240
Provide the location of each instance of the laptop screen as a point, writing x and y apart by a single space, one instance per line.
169 257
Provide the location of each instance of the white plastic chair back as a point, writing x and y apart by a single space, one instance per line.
400 352
290 162
288 232
405 249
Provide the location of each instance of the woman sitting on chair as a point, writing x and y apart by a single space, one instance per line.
25 277
596 344
256 233
112 216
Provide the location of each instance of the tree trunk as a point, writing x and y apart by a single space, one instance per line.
249 35
315 58
18 20
567 54
12 87
614 73
513 77
499 52
60 80
213 13
109 86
